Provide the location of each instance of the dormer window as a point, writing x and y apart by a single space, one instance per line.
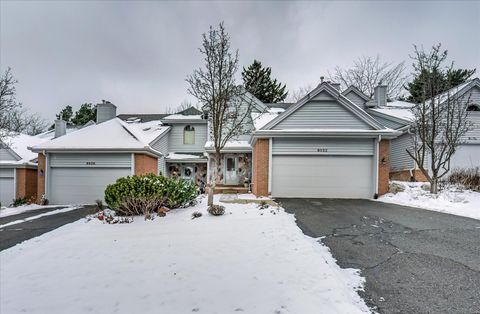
189 135
473 107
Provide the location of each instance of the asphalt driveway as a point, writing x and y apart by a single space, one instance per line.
414 260
17 233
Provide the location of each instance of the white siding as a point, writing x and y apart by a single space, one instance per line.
466 156
322 112
473 136
399 158
176 138
322 146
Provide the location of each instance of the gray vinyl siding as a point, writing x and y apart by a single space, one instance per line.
399 158
317 146
388 123
162 146
357 100
7 172
90 160
6 154
322 113
473 136
176 138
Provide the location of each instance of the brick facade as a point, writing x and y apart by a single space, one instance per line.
383 166
261 156
406 175
26 183
145 164
41 170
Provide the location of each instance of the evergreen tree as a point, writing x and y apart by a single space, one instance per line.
86 113
65 114
258 81
447 79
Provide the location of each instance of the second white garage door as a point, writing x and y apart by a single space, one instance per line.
7 189
322 176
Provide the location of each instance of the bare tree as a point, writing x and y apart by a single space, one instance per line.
227 104
298 93
441 122
368 72
13 117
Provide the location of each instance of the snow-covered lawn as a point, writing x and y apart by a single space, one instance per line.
8 211
451 200
247 261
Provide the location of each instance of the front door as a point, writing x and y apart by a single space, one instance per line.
231 177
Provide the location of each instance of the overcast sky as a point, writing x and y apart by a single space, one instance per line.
137 54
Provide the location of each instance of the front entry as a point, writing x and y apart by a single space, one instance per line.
231 165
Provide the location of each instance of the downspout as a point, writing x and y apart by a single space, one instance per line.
415 166
270 141
377 164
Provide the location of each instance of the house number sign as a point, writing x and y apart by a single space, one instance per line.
322 150
90 163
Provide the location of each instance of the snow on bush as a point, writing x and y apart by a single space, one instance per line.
451 199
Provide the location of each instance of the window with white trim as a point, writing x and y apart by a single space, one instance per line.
189 135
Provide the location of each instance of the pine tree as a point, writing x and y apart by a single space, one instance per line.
447 79
258 81
86 113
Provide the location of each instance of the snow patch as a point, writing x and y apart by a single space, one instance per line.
9 211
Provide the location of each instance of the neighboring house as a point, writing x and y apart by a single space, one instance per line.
325 145
18 168
397 115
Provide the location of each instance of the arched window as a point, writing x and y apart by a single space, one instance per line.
473 107
189 135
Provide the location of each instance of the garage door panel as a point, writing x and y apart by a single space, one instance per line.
322 176
81 185
7 190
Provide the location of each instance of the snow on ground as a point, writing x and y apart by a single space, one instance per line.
30 218
451 200
8 211
247 261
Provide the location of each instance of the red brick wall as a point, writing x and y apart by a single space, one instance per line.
41 169
26 183
405 175
145 164
260 167
383 166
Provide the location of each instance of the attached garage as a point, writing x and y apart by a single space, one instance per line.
323 168
7 186
82 178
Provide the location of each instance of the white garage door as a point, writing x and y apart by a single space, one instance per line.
82 185
322 176
7 191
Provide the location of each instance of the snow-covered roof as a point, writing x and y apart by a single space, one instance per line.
232 145
177 157
183 117
400 113
261 119
113 134
19 144
50 134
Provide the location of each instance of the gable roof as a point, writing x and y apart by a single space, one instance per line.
141 117
190 111
458 90
342 100
111 135
359 93
18 145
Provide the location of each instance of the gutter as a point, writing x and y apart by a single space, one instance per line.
387 133
146 149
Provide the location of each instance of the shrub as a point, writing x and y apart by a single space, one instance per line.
216 210
137 195
19 201
196 215
100 205
469 178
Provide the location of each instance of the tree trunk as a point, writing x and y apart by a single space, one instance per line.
211 186
434 186
210 194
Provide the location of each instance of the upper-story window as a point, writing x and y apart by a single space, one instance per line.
473 107
189 135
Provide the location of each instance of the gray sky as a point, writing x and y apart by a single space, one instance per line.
137 54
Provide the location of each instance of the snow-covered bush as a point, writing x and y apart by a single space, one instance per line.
142 195
468 178
216 210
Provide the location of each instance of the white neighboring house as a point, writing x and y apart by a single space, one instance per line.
398 115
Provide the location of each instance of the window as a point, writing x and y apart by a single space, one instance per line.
189 135
473 108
